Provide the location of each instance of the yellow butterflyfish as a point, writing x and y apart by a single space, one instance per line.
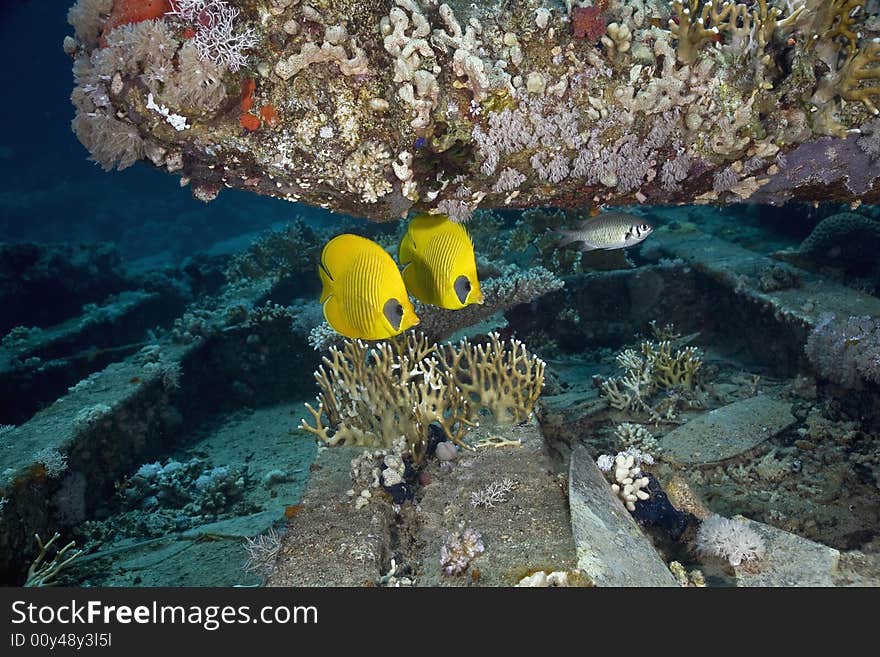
438 262
363 292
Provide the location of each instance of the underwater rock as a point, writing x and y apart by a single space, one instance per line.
845 241
530 530
329 542
728 431
612 550
43 284
373 109
788 560
38 365
774 323
112 421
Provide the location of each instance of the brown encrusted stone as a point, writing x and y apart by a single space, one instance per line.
611 548
329 542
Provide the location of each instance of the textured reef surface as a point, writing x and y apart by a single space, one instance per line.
375 108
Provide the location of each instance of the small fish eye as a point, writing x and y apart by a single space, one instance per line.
462 288
393 312
644 228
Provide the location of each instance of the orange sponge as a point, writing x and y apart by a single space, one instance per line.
133 11
249 122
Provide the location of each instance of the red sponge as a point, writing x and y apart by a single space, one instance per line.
133 11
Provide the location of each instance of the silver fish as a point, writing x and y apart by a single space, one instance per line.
615 230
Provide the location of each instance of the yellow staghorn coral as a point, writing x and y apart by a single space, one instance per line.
698 26
502 377
372 394
861 66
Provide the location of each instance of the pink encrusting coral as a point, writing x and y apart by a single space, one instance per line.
459 550
587 23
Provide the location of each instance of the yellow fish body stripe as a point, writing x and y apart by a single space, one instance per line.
436 253
363 292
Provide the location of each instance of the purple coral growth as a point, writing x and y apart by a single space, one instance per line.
458 551
846 351
828 161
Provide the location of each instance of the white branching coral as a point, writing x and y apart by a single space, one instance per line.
216 39
262 552
635 435
494 493
728 539
54 462
660 366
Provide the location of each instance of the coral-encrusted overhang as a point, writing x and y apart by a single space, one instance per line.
379 108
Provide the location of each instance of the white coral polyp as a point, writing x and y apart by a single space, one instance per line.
217 38
729 539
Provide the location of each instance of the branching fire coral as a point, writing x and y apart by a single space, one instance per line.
371 394
696 26
861 66
500 376
659 366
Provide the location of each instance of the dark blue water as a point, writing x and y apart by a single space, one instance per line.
50 191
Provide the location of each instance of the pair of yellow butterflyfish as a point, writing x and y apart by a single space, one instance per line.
366 296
